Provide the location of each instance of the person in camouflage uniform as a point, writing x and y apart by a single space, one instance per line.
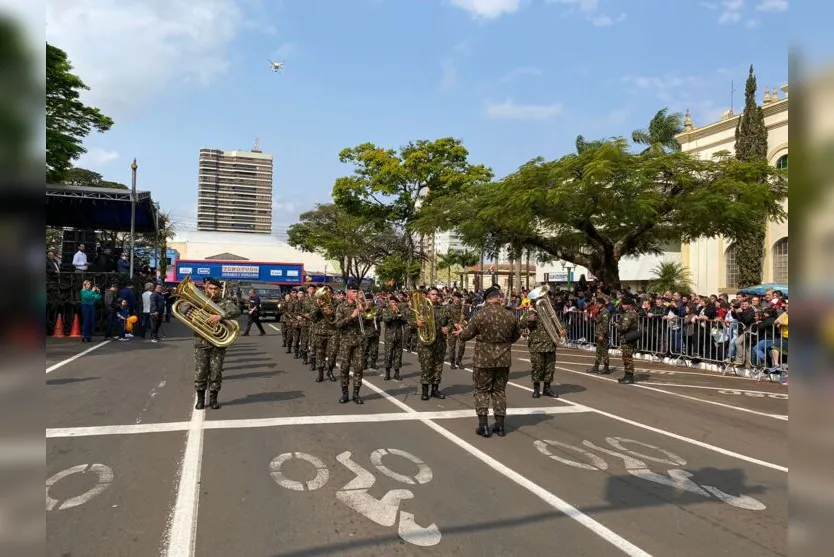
308 348
350 344
282 316
290 310
626 327
409 334
454 345
208 359
432 355
542 353
306 306
333 336
494 329
602 321
394 320
370 345
322 333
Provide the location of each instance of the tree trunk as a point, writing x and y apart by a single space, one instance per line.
518 270
528 270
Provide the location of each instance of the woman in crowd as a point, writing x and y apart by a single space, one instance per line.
90 296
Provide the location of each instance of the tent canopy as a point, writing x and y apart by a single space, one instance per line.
760 289
98 208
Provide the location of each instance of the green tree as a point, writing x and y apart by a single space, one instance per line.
604 203
751 146
76 176
670 276
466 259
355 242
68 120
395 268
395 186
662 131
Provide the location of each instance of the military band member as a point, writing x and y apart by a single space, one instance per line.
494 329
542 353
323 334
282 310
629 336
208 359
394 320
350 344
409 334
602 321
292 324
371 344
432 355
308 337
454 345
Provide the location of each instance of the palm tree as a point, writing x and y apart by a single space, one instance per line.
661 131
447 261
670 276
466 259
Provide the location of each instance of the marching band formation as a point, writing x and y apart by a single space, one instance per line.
326 329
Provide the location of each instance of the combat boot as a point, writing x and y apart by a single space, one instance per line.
345 396
606 371
397 375
213 400
320 376
498 427
201 400
483 427
387 374
627 379
594 369
436 393
304 359
312 364
356 398
425 395
536 393
459 363
547 392
453 364
295 354
330 375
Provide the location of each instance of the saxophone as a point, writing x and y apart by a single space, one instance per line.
195 308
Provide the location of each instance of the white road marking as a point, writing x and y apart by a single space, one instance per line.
274 327
182 524
62 363
424 473
132 429
105 478
151 396
559 504
322 473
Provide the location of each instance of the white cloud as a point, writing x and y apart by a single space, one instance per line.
279 206
128 51
665 87
732 11
521 72
773 5
96 157
487 9
591 10
508 110
449 68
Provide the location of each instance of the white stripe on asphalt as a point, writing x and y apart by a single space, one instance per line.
296 420
559 504
73 358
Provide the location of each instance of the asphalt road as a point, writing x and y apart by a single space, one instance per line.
684 463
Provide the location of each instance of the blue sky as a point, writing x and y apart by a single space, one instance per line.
514 79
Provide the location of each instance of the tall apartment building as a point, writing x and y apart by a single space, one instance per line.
234 191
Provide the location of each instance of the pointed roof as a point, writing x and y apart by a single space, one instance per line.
226 256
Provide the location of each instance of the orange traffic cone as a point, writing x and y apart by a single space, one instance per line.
59 328
76 328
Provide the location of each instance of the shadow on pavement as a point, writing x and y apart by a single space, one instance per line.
274 396
68 380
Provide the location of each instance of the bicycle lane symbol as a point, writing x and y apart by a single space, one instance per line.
355 494
677 478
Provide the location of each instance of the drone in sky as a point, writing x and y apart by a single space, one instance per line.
276 66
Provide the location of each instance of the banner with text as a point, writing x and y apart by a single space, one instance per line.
291 273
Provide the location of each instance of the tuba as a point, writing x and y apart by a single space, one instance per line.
324 299
547 315
194 309
423 311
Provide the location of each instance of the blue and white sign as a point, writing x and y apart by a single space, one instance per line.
241 270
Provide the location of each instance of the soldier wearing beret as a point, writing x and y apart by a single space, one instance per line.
351 345
494 329
629 336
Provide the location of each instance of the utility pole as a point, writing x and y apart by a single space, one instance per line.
133 168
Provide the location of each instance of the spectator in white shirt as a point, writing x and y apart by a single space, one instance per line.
79 260
146 308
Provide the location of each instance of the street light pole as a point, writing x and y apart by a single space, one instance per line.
133 168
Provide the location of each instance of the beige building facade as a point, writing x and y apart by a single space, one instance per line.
713 262
234 191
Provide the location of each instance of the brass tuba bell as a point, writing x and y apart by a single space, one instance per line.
424 311
195 308
547 315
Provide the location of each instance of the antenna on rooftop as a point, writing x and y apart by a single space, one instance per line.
732 97
257 148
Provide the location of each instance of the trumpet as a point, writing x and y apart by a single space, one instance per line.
370 313
544 309
423 311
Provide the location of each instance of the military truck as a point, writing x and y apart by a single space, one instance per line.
271 295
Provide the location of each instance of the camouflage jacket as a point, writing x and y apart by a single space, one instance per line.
347 326
602 321
441 319
393 324
627 322
231 310
455 312
308 311
537 340
494 329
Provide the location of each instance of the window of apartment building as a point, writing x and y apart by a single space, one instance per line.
782 162
731 266
780 261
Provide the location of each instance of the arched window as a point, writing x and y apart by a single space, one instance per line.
731 263
782 162
780 261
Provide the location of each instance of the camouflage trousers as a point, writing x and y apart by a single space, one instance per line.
293 338
543 366
208 367
284 333
455 349
409 338
431 361
602 353
393 353
371 352
351 351
304 339
491 384
325 350
628 358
